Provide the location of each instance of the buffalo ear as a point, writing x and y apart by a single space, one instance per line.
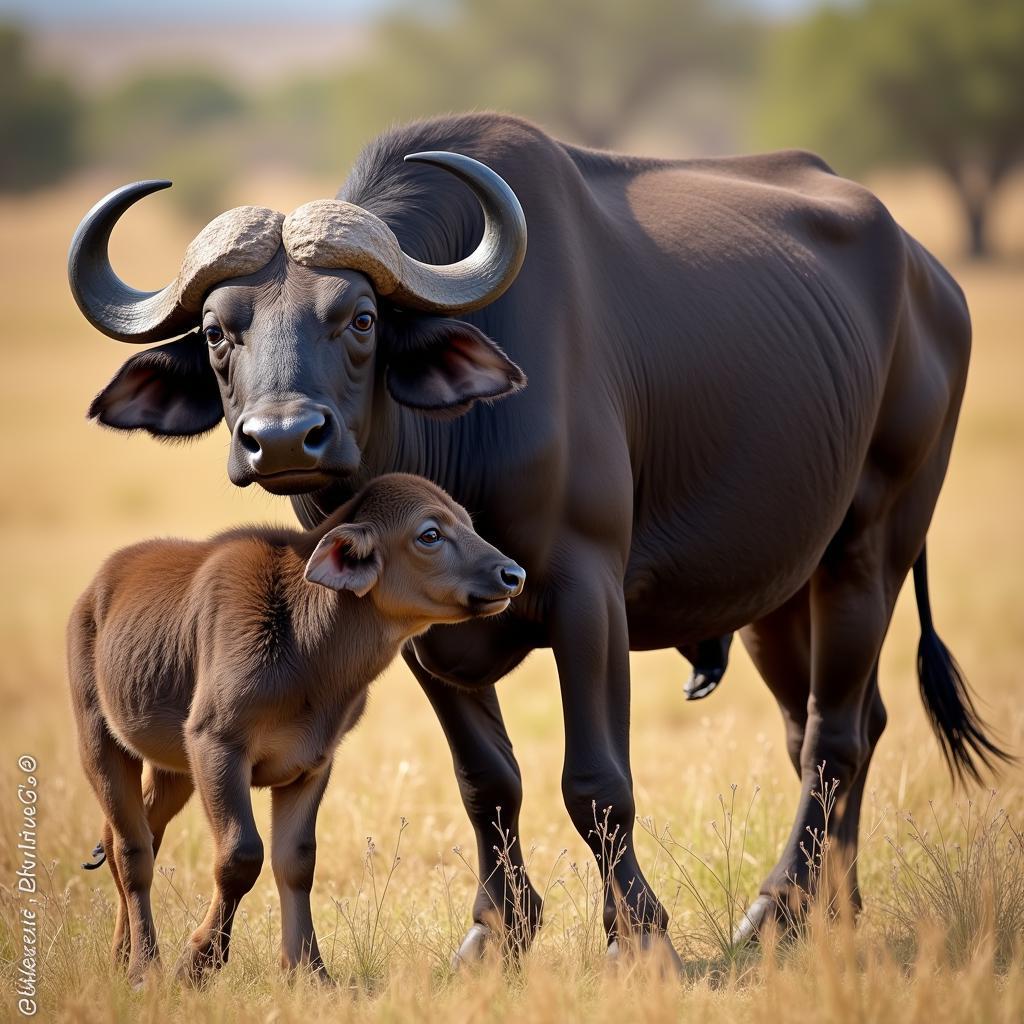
168 391
444 366
347 558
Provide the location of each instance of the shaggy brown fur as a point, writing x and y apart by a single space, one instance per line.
241 661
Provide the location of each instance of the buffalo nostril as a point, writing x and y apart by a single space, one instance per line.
248 441
286 439
317 436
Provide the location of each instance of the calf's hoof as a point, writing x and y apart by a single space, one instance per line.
473 948
197 964
702 682
143 976
655 947
193 975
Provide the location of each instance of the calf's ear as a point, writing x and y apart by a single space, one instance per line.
168 391
347 558
443 366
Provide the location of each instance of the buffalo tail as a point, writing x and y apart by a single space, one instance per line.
947 696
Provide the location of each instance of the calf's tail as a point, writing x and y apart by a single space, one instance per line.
98 857
947 696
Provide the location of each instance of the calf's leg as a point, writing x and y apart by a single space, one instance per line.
222 777
116 777
164 795
293 857
121 946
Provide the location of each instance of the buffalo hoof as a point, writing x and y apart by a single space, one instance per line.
702 682
314 975
474 947
654 947
766 913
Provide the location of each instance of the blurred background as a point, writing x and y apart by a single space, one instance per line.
240 101
208 92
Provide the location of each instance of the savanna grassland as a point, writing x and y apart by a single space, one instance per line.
940 939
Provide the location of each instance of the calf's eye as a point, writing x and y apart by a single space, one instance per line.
363 322
214 335
430 537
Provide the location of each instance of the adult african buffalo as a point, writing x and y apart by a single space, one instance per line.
744 384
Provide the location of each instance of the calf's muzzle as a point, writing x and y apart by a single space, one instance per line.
496 586
512 578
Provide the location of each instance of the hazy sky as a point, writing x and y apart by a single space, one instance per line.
65 11
48 11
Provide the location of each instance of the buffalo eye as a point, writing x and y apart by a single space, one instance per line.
430 537
214 335
363 322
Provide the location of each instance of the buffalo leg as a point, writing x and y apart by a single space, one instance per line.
873 720
850 604
591 646
780 647
492 793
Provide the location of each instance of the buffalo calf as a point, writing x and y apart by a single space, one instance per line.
241 661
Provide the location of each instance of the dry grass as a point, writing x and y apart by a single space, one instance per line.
939 941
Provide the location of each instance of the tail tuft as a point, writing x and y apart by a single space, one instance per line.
948 699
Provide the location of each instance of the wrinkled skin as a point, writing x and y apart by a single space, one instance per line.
744 381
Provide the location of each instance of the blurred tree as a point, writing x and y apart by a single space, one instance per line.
906 80
179 100
186 124
587 69
38 119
